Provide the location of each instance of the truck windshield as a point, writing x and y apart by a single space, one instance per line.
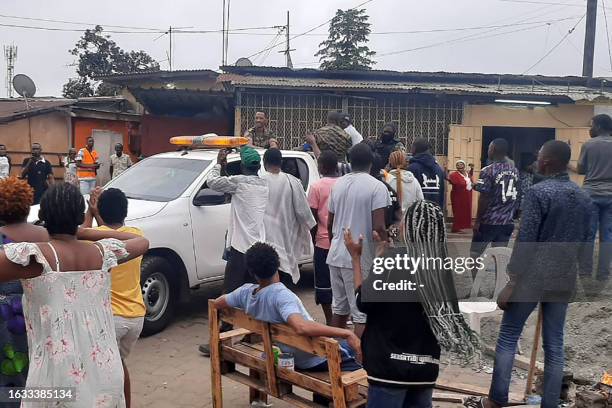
159 179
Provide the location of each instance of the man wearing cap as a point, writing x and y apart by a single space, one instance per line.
246 226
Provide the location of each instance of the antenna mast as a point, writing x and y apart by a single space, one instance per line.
288 49
10 54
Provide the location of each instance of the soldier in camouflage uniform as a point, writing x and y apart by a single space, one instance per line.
260 134
332 137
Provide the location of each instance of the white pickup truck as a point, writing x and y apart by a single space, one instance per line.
185 221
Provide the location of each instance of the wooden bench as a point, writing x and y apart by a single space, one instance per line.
347 389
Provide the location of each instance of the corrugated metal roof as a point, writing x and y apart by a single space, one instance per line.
10 108
576 93
420 76
158 73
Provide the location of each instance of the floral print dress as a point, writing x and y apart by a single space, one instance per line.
71 335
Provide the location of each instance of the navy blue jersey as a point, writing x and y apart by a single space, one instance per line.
499 182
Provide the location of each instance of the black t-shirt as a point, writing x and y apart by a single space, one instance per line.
37 176
398 345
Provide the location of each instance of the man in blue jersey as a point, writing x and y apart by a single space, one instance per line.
498 188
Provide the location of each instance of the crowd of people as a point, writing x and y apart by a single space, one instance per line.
81 321
80 167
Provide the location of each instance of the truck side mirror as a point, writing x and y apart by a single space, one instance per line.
208 197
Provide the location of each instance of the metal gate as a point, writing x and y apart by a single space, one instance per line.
292 116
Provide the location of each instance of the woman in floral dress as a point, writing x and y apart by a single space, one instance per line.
66 302
16 197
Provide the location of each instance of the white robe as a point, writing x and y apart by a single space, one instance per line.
288 221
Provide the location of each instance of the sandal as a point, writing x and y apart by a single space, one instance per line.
474 402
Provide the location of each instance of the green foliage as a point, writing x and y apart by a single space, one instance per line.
346 47
98 55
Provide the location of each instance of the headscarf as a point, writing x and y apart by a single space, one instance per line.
249 157
468 181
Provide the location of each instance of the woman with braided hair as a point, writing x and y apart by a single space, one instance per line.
406 329
16 197
402 181
67 309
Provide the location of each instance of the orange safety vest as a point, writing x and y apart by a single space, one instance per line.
87 157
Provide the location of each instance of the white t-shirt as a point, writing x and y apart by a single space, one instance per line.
4 167
354 134
352 200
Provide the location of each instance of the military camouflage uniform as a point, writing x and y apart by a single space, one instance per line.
262 139
334 138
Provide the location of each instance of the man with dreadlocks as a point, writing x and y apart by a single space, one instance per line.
551 246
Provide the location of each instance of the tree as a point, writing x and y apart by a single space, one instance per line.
346 46
98 55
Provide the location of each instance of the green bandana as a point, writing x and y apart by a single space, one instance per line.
249 157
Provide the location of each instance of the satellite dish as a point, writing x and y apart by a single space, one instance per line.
24 85
244 62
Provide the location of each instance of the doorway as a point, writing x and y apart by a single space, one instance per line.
523 142
105 142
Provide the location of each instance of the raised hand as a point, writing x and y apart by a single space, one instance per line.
354 248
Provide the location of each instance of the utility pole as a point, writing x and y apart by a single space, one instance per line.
170 56
223 56
589 39
10 53
225 36
288 49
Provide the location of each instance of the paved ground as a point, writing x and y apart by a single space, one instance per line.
168 371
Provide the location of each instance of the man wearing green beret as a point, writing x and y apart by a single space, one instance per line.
246 226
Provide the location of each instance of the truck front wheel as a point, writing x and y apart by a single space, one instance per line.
158 292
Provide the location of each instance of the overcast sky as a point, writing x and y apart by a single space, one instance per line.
528 31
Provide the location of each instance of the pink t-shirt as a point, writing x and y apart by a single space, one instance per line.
317 199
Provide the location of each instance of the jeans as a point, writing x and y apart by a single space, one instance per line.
87 186
348 361
553 321
391 397
602 220
496 235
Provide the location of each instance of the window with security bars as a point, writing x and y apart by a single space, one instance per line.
293 115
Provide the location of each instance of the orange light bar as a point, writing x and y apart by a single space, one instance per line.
209 140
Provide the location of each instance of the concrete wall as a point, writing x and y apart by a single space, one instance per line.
561 116
52 131
83 128
156 131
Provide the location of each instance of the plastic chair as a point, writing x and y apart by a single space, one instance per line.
498 258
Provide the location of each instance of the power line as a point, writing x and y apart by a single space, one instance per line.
435 30
75 22
607 32
471 37
307 32
74 30
555 47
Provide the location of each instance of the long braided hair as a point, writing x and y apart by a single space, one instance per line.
397 160
425 236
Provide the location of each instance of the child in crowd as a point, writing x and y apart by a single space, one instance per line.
109 208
